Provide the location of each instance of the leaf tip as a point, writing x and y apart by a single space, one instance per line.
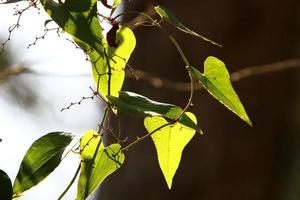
169 183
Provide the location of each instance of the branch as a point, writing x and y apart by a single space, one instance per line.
158 82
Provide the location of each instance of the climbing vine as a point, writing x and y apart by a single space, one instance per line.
169 126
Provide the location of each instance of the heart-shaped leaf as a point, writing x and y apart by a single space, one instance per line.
139 106
108 71
6 191
216 80
78 18
97 162
169 142
169 17
40 160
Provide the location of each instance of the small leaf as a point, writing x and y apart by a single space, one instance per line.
117 59
169 143
40 160
216 80
169 17
78 18
6 191
97 163
111 35
105 3
139 106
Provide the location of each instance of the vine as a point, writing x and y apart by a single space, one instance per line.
169 126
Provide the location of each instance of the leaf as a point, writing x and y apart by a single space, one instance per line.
117 59
78 18
40 160
216 80
139 106
97 163
6 191
169 17
169 143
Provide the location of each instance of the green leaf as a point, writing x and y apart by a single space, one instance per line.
117 59
97 163
169 142
78 18
169 17
40 160
6 191
139 106
216 80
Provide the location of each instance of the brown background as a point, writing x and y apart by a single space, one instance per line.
232 160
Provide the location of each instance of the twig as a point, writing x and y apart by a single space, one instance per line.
159 82
70 184
140 139
78 102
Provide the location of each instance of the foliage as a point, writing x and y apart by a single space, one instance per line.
170 127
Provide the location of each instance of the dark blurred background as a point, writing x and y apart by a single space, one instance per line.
231 161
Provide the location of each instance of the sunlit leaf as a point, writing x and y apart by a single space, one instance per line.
78 18
97 163
216 80
114 63
139 106
169 142
40 160
169 17
6 191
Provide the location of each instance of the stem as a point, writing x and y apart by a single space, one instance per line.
138 140
70 184
109 71
101 126
185 60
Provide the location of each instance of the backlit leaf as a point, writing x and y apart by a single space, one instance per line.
139 106
216 80
169 17
40 160
116 60
169 143
6 191
97 162
78 18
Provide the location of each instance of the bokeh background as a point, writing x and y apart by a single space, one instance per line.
231 160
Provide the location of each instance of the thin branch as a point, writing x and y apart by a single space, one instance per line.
70 184
140 139
159 82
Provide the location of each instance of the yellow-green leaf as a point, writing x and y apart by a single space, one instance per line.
78 18
169 17
116 60
97 162
169 142
216 80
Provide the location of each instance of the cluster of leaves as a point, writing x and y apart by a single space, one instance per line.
170 127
